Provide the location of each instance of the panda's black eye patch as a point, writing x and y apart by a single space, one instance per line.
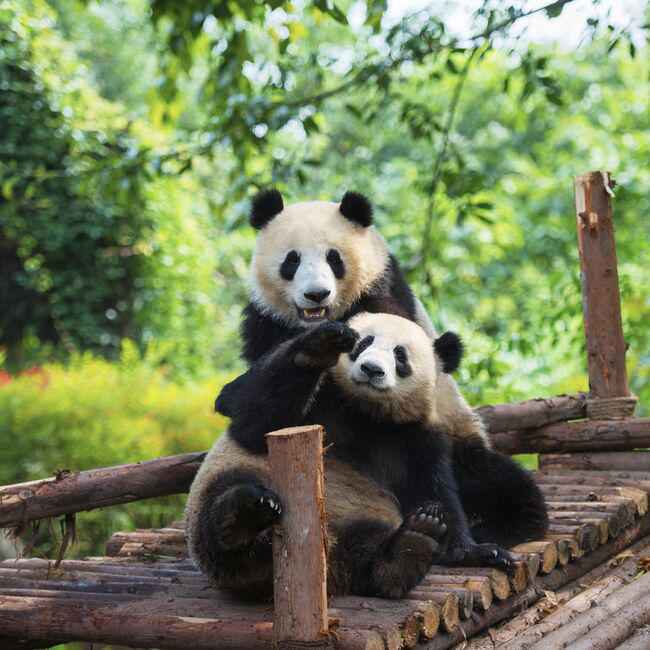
402 365
290 265
364 343
336 263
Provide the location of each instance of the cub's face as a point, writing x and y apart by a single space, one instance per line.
392 370
311 263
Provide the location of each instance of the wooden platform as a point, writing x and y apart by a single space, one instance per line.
147 593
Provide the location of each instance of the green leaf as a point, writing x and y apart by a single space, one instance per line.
554 10
328 7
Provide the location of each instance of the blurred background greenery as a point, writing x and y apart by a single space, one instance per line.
133 133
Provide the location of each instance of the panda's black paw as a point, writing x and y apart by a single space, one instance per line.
482 555
245 512
427 519
322 346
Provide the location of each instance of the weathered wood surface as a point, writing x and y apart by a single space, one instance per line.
533 412
299 543
71 492
598 460
601 300
589 436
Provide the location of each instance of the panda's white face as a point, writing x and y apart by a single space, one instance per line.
392 370
311 263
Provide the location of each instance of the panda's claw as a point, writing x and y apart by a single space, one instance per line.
427 519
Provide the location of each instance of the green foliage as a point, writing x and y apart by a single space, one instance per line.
95 413
88 239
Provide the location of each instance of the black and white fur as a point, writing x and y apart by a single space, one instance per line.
316 261
374 403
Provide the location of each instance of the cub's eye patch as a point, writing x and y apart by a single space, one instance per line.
290 265
364 343
336 263
402 365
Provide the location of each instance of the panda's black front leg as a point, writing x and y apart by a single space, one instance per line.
277 390
461 549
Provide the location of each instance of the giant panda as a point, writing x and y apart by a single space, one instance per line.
318 260
372 384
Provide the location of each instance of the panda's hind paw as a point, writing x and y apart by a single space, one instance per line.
427 519
483 555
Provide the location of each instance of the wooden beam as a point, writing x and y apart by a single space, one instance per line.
533 412
299 543
598 460
590 435
70 492
601 300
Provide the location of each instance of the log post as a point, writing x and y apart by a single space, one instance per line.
299 543
601 300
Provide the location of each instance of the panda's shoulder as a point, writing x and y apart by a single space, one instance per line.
389 294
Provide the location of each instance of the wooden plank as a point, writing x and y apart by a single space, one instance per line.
299 543
598 460
71 492
591 435
601 300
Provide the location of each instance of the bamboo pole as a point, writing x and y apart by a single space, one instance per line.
299 544
601 300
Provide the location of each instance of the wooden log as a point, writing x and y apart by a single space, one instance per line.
625 510
612 608
464 596
601 523
531 626
478 586
551 581
498 579
643 476
532 413
586 535
639 640
611 631
596 493
43 619
575 551
519 577
531 562
352 639
447 603
299 545
70 492
589 436
151 539
598 460
546 550
601 300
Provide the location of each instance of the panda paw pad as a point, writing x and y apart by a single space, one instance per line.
427 519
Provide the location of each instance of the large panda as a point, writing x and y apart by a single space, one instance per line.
372 385
318 260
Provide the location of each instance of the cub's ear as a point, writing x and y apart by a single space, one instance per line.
449 349
264 207
357 208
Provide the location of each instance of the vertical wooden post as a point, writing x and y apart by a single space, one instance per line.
299 555
601 300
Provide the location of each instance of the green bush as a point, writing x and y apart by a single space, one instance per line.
94 413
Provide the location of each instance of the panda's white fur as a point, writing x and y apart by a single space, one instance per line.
312 228
426 390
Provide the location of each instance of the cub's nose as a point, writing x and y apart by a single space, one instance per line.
317 296
372 370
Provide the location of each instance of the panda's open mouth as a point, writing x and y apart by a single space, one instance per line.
313 313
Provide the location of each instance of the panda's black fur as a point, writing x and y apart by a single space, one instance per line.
499 497
408 458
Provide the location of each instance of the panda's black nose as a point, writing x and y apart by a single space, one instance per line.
317 296
372 370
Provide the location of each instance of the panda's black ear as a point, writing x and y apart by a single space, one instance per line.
264 207
357 208
449 349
